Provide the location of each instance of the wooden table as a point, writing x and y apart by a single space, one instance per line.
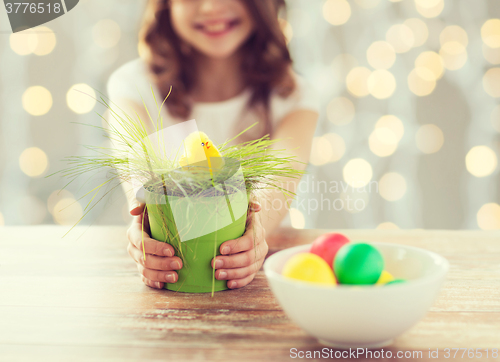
81 298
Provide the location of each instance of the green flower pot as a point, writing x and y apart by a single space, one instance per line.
196 226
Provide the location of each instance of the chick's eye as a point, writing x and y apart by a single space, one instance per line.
203 144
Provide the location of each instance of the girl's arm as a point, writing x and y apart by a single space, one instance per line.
296 131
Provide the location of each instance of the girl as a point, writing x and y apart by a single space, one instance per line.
228 65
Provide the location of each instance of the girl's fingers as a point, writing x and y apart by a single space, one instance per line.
254 206
234 246
245 242
141 213
239 273
151 246
157 276
238 283
150 283
153 261
137 208
252 209
242 259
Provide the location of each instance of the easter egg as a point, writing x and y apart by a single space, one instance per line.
327 245
358 263
396 281
385 277
310 268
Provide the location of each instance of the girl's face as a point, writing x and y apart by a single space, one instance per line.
216 28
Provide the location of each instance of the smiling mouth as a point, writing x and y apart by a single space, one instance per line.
217 28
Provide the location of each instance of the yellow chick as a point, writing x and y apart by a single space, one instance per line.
197 147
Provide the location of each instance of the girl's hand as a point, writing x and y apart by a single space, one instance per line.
160 264
244 256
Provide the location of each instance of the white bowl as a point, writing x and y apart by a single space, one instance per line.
368 316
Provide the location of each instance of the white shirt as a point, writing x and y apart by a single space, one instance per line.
217 119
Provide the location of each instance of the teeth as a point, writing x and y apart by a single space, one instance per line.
216 28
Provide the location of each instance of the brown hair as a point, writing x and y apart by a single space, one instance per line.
266 65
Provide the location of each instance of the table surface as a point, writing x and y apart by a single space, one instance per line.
81 298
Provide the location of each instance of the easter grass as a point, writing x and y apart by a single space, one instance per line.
262 165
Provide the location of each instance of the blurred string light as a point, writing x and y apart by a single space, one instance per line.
392 186
381 55
429 8
23 43
340 111
488 217
106 33
381 84
432 61
454 33
393 124
67 211
342 64
297 218
492 55
31 209
57 196
46 40
421 81
79 102
481 161
326 149
491 82
336 12
401 37
338 146
454 55
39 41
382 142
429 138
427 3
367 4
357 81
410 34
321 151
490 33
33 162
387 226
419 29
37 100
387 133
454 41
357 172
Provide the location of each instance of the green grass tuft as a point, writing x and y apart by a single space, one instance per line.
262 166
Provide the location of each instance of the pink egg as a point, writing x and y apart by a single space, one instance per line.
327 245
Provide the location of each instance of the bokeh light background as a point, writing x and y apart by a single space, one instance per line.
410 109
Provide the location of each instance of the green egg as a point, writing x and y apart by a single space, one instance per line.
396 281
358 263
